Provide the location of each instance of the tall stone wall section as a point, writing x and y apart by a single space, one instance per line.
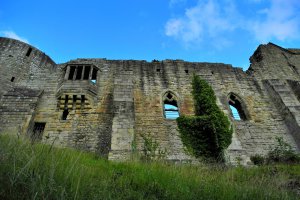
111 110
123 121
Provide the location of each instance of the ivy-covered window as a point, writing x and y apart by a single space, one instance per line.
171 110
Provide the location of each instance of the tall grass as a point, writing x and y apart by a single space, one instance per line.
41 172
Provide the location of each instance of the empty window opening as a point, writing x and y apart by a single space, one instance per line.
236 108
29 52
87 70
94 76
38 130
12 79
186 71
79 72
235 113
65 114
66 111
170 107
72 72
66 101
74 101
171 110
157 70
82 101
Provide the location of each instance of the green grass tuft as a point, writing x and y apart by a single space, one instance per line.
41 172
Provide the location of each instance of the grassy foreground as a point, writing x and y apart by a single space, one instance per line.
41 172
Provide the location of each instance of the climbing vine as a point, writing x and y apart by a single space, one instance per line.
208 133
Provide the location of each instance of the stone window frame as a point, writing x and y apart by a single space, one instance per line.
93 73
38 129
175 97
240 107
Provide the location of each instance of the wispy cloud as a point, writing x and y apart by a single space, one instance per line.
280 21
207 19
13 35
215 20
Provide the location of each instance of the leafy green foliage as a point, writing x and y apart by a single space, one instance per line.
151 149
208 133
282 153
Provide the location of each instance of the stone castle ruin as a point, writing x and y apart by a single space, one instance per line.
106 106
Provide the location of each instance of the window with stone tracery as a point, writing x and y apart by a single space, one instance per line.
170 106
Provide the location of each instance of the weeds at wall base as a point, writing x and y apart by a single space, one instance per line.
33 172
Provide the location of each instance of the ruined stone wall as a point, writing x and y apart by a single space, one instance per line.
26 76
107 106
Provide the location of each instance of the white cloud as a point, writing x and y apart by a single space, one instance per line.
205 20
215 21
13 35
280 21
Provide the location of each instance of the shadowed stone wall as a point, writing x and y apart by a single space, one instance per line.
106 106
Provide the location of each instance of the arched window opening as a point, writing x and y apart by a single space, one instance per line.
236 108
170 106
235 113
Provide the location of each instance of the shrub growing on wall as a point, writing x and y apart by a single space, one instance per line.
208 133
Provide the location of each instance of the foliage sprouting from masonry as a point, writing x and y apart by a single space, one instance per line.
208 133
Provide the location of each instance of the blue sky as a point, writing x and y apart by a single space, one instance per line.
225 31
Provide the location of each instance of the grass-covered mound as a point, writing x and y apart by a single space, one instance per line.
41 172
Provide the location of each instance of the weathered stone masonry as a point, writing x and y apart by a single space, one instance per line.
104 106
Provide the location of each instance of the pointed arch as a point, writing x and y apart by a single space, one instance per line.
237 107
170 105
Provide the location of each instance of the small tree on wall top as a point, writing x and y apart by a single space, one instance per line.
208 133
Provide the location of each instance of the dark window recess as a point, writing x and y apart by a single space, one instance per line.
65 114
66 110
157 70
87 70
72 72
38 130
74 101
236 108
169 95
12 79
29 52
82 101
79 72
186 71
94 75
